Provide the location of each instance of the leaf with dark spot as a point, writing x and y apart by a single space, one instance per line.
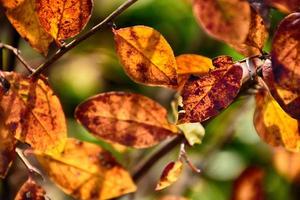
205 96
31 191
85 171
125 118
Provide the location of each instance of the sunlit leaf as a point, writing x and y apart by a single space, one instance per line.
205 96
63 19
125 118
287 164
286 6
31 191
249 185
275 126
146 56
33 114
11 3
85 171
169 175
193 132
286 53
25 20
226 20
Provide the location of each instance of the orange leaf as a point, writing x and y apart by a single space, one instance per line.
146 56
125 118
33 114
31 191
275 126
287 164
226 20
172 197
249 185
25 20
11 3
169 175
205 96
86 172
63 19
286 6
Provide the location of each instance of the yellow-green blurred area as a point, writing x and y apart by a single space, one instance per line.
93 67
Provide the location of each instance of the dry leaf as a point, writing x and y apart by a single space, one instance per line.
125 118
33 114
146 56
205 96
169 175
85 171
226 20
286 53
63 19
275 126
25 20
249 185
10 4
287 164
286 6
31 191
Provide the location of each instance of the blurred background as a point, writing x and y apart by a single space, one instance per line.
92 67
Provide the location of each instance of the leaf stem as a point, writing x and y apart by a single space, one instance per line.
106 22
17 53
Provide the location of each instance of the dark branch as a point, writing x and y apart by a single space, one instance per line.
106 22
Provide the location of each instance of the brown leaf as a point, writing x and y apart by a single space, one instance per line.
205 96
286 53
25 20
287 164
125 118
249 185
169 175
226 20
275 126
146 56
85 171
31 191
63 19
33 114
256 37
286 6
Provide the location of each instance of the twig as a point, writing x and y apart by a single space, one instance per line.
75 42
17 54
14 41
32 170
183 156
1 58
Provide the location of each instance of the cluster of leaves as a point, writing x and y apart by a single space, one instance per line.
31 113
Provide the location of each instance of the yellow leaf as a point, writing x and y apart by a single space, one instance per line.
125 118
275 126
169 175
193 64
64 18
87 172
26 22
33 114
193 132
31 191
146 56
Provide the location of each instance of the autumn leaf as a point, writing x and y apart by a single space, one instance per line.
205 96
85 171
287 164
31 191
125 118
25 20
11 3
275 126
193 132
169 175
33 114
172 197
188 64
146 56
285 53
63 19
226 20
249 185
286 6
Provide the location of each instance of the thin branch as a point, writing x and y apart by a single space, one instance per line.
17 54
13 41
183 156
1 59
106 22
32 170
